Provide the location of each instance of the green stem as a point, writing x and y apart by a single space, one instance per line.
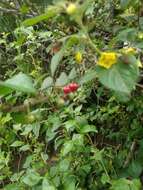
90 42
104 168
92 45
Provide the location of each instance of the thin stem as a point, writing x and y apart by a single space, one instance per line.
130 154
92 45
104 168
90 42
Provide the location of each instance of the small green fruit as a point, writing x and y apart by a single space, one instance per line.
60 102
30 118
71 9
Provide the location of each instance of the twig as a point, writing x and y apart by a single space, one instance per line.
25 106
139 85
130 154
15 12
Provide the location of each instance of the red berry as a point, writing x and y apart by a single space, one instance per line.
66 90
73 87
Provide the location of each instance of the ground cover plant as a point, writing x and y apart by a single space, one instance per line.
71 95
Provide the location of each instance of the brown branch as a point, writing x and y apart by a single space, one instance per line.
25 106
139 85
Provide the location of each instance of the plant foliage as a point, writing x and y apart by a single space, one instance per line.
71 95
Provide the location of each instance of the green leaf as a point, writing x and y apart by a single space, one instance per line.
28 161
36 129
62 80
64 165
98 155
4 89
88 76
134 169
121 96
128 34
20 82
88 128
120 77
72 74
78 140
120 184
44 156
68 146
70 125
30 22
72 40
25 148
17 144
31 178
123 183
56 60
48 82
46 185
13 186
125 3
136 184
28 128
70 183
105 178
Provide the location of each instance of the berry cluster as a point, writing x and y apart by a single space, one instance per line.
72 87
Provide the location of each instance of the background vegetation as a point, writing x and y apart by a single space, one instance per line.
71 95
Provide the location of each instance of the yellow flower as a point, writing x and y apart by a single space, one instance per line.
71 9
107 59
129 50
78 57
